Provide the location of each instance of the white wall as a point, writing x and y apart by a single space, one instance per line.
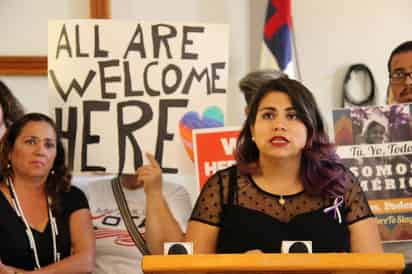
23 26
23 23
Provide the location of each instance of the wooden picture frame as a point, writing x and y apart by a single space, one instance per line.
37 65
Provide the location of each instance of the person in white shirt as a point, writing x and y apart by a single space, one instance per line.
116 251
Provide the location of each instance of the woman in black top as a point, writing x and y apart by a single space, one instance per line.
45 223
288 184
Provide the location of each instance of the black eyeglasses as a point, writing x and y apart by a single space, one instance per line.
400 76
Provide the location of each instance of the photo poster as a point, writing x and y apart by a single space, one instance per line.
213 150
118 89
375 143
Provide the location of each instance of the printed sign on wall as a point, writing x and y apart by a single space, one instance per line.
374 142
213 150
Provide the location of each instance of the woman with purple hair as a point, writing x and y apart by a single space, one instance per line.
288 184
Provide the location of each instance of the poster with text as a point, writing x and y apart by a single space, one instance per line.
213 150
375 142
118 89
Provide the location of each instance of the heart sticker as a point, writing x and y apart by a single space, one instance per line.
212 117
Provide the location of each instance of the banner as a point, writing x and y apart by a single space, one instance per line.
375 142
213 150
121 88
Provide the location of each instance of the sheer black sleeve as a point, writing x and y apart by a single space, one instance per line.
357 203
209 206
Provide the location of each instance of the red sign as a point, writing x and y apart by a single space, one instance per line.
213 149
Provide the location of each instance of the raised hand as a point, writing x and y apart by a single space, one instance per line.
150 175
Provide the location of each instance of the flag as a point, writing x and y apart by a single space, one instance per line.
277 50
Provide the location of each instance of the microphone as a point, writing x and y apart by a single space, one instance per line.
177 248
296 247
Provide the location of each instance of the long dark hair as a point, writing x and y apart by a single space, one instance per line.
320 169
59 179
12 109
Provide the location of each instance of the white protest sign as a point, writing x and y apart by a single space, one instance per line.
119 89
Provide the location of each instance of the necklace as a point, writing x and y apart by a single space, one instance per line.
281 200
29 233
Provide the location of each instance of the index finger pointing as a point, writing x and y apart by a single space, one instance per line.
152 160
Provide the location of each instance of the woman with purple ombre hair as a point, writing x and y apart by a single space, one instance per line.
288 185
